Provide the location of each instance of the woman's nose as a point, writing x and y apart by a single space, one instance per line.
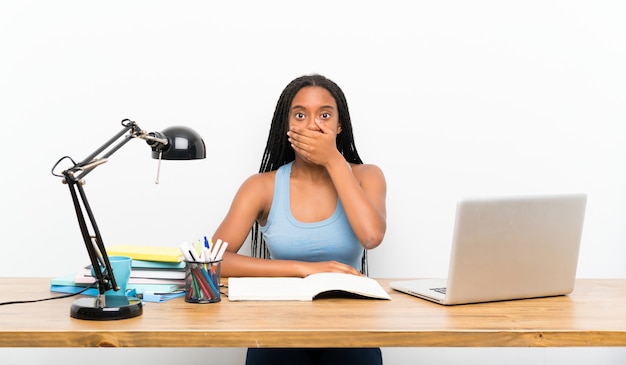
312 125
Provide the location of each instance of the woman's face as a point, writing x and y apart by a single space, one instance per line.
313 103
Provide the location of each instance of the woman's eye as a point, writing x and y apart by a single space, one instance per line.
299 115
325 115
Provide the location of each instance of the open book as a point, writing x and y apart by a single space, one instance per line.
304 289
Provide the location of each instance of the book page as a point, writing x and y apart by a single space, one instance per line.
362 285
264 288
304 289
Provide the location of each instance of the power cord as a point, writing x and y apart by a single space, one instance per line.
51 298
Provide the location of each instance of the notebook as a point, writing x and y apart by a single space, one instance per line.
508 248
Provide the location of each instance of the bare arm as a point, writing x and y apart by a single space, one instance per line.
362 191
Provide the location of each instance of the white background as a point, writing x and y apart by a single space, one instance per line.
449 98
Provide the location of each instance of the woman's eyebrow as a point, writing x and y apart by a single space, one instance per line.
303 107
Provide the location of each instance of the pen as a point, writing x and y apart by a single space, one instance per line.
202 281
209 279
192 255
196 287
221 251
216 247
206 254
184 248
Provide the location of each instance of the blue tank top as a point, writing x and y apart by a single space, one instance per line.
289 239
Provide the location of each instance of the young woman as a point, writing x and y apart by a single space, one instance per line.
318 207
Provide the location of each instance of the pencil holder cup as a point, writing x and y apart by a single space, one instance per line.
202 281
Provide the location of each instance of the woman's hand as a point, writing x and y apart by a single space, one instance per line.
316 146
308 268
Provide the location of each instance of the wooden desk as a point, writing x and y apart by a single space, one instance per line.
594 315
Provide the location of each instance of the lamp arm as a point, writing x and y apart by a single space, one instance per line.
128 125
154 139
93 241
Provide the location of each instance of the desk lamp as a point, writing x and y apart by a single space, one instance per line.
174 143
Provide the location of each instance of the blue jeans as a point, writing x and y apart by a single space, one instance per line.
343 356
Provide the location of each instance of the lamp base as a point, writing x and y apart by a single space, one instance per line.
116 307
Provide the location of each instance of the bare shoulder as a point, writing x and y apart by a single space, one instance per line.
256 194
259 183
367 172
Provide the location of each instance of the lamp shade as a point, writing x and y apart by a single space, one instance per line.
183 144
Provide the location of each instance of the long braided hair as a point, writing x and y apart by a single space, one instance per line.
279 152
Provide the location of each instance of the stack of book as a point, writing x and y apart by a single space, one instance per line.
157 274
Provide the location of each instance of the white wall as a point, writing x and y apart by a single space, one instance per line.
449 98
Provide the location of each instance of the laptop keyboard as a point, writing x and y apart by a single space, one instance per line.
439 290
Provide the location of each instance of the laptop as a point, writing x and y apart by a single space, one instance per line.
507 248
